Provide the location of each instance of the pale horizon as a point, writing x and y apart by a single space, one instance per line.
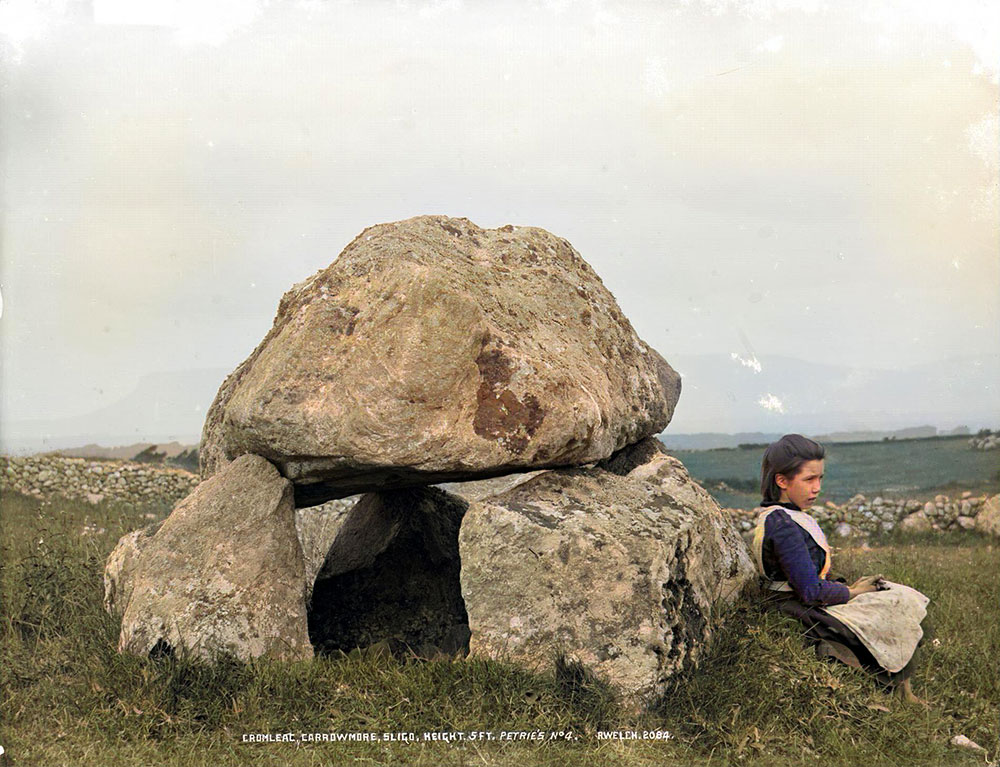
773 179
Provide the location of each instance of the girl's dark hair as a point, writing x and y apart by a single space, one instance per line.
785 457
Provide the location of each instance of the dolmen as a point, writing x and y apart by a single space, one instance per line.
445 444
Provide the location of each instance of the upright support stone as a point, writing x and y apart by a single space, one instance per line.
224 573
625 572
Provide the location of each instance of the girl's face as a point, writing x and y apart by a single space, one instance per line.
803 488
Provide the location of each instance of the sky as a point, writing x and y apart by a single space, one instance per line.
816 180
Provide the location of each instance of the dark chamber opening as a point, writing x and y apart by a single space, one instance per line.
392 575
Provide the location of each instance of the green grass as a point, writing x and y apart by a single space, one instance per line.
759 697
909 469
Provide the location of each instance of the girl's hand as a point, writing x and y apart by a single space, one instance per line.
864 585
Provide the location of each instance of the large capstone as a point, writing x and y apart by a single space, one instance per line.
392 575
622 567
224 573
433 350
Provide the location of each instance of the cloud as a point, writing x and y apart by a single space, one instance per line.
23 21
654 77
772 403
748 362
984 143
772 45
437 7
194 21
159 165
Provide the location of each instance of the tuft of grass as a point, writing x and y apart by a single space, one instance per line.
758 696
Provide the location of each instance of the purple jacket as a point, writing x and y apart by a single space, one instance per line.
790 553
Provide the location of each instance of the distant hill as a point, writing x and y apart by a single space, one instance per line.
125 452
725 401
163 408
916 432
723 394
716 441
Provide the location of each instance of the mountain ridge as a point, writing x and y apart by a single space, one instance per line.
721 394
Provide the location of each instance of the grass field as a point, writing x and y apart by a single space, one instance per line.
758 698
917 468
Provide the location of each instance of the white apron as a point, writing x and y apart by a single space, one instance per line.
886 622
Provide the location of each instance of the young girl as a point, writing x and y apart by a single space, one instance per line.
872 624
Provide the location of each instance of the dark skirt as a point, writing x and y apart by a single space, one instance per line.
820 626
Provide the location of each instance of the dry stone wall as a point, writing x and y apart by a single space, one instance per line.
863 516
49 476
44 476
986 441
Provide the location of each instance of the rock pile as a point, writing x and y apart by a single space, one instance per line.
861 516
987 441
43 476
434 351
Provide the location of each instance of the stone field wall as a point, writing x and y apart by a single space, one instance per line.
864 516
42 476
